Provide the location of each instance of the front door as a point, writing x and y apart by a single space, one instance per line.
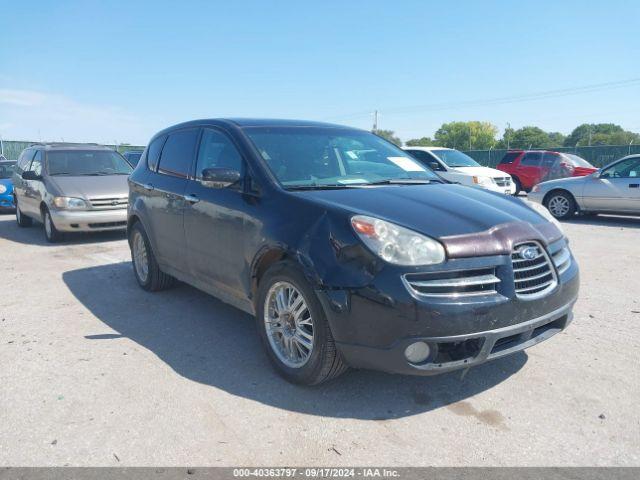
616 188
214 219
529 169
33 189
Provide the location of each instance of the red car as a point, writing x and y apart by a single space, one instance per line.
530 167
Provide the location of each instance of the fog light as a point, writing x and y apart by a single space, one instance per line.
417 352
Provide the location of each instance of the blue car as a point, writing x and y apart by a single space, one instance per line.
6 186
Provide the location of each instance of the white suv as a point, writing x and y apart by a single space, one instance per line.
456 166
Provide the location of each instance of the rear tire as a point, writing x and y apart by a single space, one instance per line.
518 185
145 266
324 361
561 205
51 233
22 221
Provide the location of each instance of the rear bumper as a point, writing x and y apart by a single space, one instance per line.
89 221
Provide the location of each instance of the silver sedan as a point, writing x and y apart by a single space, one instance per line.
612 189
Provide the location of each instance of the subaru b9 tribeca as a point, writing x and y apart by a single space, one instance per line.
347 251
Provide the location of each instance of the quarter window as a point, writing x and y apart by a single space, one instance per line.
217 151
153 152
177 154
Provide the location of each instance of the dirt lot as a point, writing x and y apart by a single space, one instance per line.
94 371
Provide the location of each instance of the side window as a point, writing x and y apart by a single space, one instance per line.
153 152
177 154
217 151
426 159
626 169
509 157
549 159
36 164
24 160
531 159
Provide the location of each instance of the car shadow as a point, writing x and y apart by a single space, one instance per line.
34 235
615 221
207 341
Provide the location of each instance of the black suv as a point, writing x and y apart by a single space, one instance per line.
347 250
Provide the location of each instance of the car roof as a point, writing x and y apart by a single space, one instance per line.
69 146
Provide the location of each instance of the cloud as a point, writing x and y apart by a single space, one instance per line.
34 115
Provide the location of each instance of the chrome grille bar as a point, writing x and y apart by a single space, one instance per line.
533 274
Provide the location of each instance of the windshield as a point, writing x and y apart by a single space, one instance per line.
6 170
455 158
318 156
87 162
579 161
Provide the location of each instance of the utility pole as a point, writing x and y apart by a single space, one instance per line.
508 136
375 120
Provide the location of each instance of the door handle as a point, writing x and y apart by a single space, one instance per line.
147 186
191 198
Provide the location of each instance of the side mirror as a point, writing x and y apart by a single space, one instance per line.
31 175
219 177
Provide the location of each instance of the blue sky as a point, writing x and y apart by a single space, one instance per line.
110 71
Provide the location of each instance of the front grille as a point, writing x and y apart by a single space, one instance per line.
454 283
502 181
533 274
109 203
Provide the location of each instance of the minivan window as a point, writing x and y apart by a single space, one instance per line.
153 153
217 150
86 162
319 156
36 164
178 153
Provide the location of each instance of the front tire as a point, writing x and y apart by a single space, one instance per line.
294 329
145 266
51 233
561 205
22 221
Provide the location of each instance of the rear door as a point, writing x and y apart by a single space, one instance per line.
528 170
165 197
616 189
33 189
19 185
214 218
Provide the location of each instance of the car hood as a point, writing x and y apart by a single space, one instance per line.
480 171
436 210
568 182
87 187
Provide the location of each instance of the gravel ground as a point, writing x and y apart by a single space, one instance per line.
95 371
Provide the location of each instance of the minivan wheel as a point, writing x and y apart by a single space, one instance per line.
21 219
51 233
294 329
145 265
561 205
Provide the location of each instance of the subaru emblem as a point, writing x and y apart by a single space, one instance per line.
529 253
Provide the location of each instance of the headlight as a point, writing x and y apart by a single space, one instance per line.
69 203
395 244
536 188
3 189
544 212
483 180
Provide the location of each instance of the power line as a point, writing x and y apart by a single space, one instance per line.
564 92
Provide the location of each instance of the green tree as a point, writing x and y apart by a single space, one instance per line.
600 134
530 137
389 135
466 135
420 142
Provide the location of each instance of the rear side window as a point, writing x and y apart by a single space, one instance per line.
509 157
177 154
153 152
549 159
531 159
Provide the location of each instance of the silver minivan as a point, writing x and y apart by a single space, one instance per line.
71 188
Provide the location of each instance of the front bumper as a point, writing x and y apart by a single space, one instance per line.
373 326
6 202
508 190
89 220
536 196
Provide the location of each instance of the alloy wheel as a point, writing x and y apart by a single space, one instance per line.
559 205
288 324
140 257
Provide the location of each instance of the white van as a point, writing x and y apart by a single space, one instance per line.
456 166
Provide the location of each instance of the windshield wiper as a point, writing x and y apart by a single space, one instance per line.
403 181
328 186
